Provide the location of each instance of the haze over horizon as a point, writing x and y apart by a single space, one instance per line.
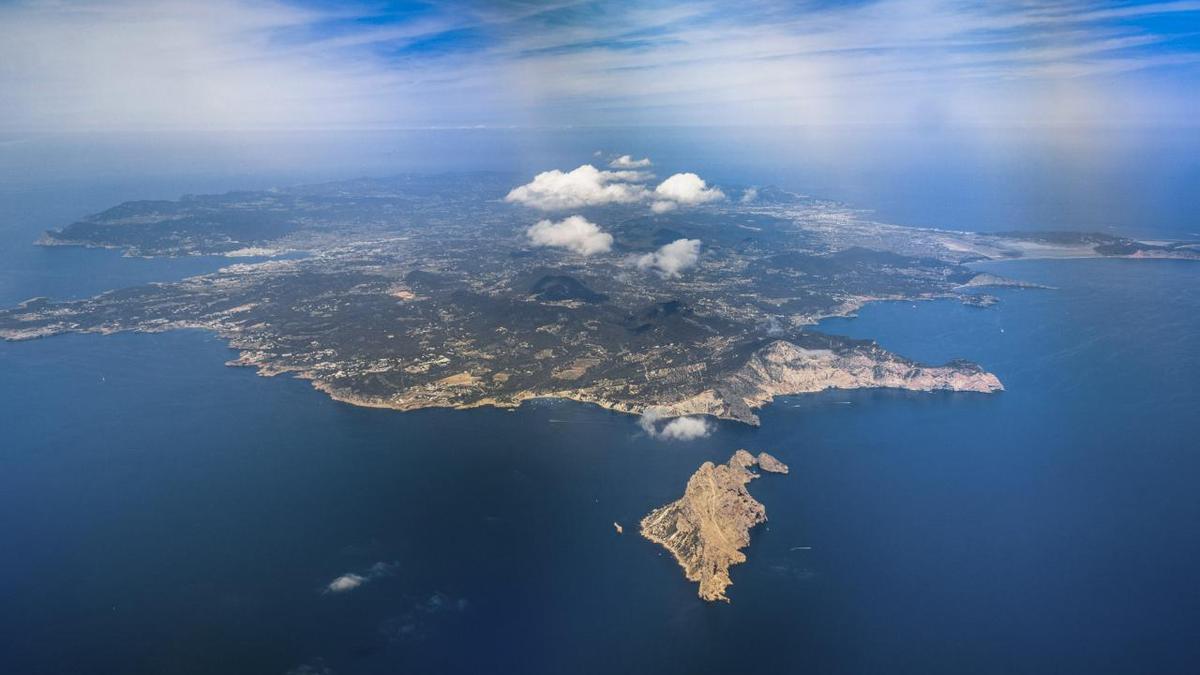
126 65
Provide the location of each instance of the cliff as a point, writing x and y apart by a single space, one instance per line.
707 528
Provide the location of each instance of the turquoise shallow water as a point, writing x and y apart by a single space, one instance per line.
164 513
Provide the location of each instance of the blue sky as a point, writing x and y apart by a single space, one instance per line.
250 64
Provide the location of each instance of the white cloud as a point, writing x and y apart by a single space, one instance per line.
672 258
687 189
254 64
585 186
346 582
186 64
749 195
628 162
575 233
685 429
350 580
677 429
556 190
632 176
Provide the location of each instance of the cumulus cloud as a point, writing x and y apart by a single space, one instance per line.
557 190
628 162
676 429
672 258
629 175
585 186
575 234
353 580
346 582
685 429
749 195
685 189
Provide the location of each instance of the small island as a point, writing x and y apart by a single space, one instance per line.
769 464
707 528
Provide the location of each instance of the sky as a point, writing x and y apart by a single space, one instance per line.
132 65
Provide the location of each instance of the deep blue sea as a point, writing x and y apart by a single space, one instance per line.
163 513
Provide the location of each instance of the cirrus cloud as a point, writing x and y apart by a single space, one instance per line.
575 234
283 64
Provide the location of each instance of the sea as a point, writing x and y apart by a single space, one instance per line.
161 512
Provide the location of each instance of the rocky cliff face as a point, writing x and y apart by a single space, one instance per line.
769 464
707 528
784 369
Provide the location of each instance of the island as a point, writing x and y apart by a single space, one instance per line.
466 290
768 463
707 528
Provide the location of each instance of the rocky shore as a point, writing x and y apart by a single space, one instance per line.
707 528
